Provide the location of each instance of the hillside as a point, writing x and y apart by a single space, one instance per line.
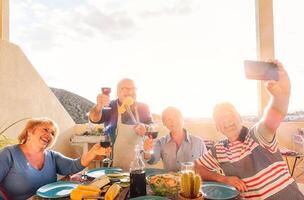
74 104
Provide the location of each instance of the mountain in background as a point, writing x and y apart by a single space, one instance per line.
74 104
78 106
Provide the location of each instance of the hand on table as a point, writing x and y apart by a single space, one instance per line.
236 182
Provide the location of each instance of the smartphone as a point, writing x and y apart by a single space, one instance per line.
259 70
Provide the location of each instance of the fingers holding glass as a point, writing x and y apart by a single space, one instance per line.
103 101
106 143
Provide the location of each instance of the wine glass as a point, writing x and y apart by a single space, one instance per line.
105 143
151 133
106 91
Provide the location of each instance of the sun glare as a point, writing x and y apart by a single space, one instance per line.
173 50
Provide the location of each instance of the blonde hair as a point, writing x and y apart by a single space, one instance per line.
32 124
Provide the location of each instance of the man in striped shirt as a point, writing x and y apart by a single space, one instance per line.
249 159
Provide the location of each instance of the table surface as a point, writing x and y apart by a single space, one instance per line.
89 180
149 192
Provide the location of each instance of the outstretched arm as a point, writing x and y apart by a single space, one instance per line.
67 166
96 150
95 114
278 105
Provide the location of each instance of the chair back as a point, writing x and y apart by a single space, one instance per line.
298 142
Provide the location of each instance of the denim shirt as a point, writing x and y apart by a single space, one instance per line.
165 148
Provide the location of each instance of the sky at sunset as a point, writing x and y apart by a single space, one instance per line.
185 53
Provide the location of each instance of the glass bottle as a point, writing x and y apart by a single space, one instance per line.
137 174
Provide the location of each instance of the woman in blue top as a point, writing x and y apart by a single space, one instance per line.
29 165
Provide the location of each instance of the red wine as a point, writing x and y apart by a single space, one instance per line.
105 144
137 183
106 90
152 134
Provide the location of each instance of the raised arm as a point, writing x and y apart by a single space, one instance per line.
278 105
95 114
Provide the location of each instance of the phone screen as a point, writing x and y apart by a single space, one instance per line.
259 70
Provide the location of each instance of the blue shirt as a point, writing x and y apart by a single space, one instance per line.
165 148
21 181
110 116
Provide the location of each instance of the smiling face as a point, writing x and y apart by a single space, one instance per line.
42 135
227 121
126 88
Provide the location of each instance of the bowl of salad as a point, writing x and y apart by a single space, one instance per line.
164 184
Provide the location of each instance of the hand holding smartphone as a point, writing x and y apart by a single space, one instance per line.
260 70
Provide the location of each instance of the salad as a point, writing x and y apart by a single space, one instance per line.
164 184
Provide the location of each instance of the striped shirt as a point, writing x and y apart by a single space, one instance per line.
257 162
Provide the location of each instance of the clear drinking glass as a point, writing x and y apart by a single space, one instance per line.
187 167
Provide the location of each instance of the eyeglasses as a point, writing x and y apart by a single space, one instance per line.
129 88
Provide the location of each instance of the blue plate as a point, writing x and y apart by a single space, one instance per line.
218 191
56 190
153 171
149 198
96 173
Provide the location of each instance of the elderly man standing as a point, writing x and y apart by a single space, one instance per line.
124 132
176 147
249 159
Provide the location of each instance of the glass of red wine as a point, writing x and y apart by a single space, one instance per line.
151 134
105 143
106 91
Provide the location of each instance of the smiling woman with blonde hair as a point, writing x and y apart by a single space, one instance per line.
33 123
30 164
